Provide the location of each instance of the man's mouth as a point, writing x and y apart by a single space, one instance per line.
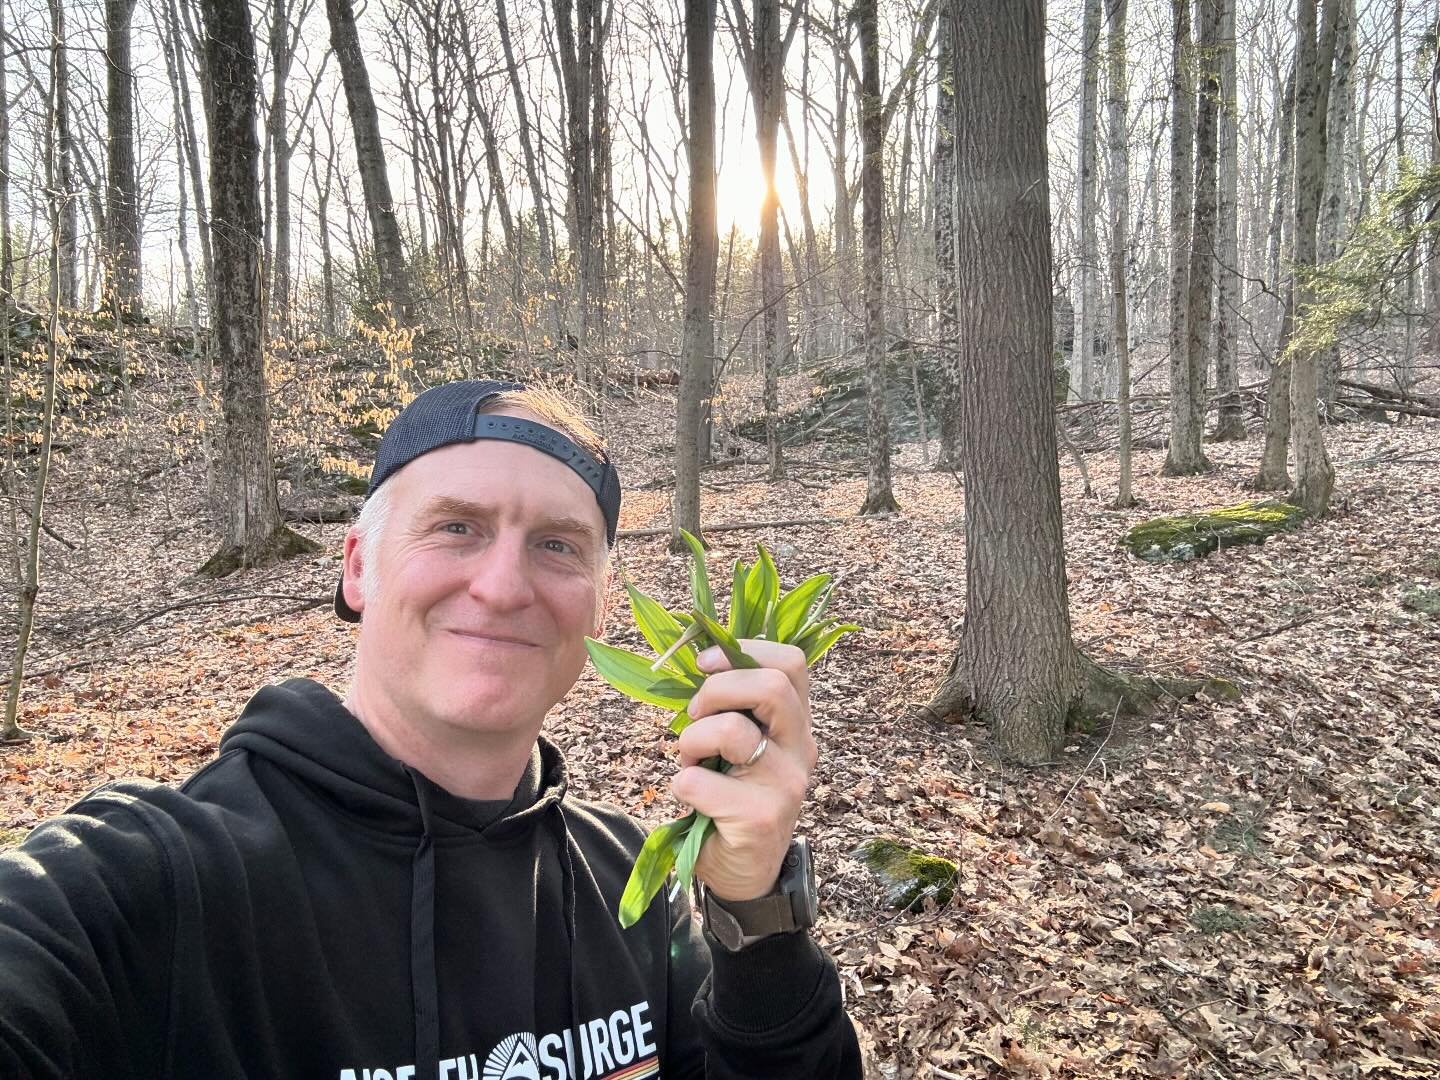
495 638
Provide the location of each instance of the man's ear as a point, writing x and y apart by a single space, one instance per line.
353 570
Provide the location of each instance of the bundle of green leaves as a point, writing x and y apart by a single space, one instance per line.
758 609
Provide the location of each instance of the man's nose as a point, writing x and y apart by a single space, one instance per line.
500 578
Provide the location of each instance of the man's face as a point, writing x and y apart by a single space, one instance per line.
488 575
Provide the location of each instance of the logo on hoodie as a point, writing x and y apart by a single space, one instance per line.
516 1058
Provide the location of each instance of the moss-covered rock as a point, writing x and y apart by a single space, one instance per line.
909 875
1192 536
1423 599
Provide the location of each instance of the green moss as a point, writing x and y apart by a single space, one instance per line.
909 876
10 837
1422 599
1192 536
1219 919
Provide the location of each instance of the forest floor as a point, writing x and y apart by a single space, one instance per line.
1244 888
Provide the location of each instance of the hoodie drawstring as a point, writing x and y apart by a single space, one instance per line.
567 867
423 981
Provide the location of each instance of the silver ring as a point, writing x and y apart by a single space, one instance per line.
759 752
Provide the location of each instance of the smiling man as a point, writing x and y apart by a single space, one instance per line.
399 885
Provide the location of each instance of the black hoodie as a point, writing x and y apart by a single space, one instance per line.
307 906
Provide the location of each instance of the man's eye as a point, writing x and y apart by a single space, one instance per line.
560 547
458 528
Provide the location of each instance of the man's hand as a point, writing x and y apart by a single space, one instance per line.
754 807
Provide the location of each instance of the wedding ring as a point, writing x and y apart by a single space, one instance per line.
759 751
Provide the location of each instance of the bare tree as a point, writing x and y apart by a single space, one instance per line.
1274 472
1186 454
1229 424
395 285
1016 665
879 498
763 44
1117 138
1082 384
254 534
697 359
1314 476
539 199
944 228
29 584
122 197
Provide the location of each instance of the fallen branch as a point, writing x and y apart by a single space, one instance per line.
735 526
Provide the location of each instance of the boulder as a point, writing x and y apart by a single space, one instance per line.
908 874
1193 536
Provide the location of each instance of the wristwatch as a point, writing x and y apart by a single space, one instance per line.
793 905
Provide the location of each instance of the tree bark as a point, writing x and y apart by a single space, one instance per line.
1406 376
1274 474
697 360
254 530
539 200
186 119
67 225
879 496
1229 424
947 356
767 92
1016 666
1336 202
29 586
1117 137
122 201
7 255
1314 476
395 286
1191 164
1082 386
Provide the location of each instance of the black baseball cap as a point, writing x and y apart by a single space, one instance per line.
450 413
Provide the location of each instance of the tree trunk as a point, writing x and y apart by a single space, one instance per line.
29 586
254 531
1314 476
68 228
1202 236
1229 425
186 119
280 60
7 256
539 200
1015 666
1336 201
1117 136
767 91
1274 474
395 288
947 358
122 201
1082 386
1186 453
1190 254
697 359
879 498
1406 375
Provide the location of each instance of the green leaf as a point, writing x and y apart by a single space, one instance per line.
681 720
690 850
631 675
826 642
661 629
793 610
699 579
738 617
761 588
652 867
728 645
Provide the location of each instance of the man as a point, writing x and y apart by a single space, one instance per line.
399 886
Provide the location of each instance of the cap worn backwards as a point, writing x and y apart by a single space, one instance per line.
450 413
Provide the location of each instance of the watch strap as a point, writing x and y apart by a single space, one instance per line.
749 920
